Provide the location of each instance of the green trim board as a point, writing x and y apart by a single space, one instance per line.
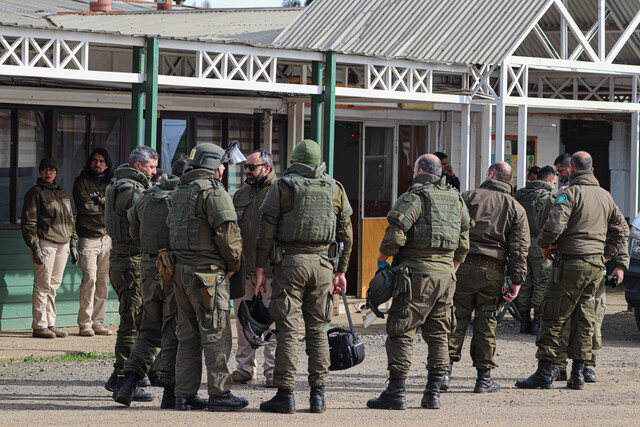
16 284
151 89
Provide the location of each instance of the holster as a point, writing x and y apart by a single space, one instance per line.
556 267
276 253
402 283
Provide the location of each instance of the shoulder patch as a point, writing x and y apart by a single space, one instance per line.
561 199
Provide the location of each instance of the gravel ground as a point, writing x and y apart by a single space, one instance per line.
72 393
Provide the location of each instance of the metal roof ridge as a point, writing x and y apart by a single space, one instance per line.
173 11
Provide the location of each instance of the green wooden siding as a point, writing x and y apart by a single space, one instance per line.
16 285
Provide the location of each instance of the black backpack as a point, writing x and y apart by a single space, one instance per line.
344 348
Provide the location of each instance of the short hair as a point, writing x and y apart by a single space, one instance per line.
142 154
265 156
430 164
440 155
534 170
501 170
546 172
107 161
563 159
180 165
581 161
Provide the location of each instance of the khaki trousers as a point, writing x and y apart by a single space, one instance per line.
246 356
93 260
46 281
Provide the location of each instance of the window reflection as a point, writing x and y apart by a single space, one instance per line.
31 149
242 131
378 167
413 144
5 166
72 149
174 142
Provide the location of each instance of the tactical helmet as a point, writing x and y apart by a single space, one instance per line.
380 290
207 155
255 320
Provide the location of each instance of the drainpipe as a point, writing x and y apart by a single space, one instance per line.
100 6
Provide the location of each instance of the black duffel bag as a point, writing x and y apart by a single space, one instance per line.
344 348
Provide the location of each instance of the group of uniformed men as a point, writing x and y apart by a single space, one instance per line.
451 253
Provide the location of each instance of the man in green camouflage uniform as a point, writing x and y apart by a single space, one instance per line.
428 232
501 232
532 198
303 216
578 270
130 180
205 238
148 224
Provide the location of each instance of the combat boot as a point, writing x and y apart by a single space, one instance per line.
110 385
189 403
576 380
484 382
283 402
562 375
316 400
116 388
525 322
127 389
393 397
431 396
542 378
168 398
139 395
226 402
535 325
446 379
589 375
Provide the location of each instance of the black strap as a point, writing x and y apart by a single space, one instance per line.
346 306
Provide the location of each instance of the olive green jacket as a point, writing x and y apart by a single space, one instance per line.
502 229
247 201
47 214
90 219
584 220
543 191
280 197
432 259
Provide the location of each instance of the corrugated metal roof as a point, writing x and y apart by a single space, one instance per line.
260 26
22 19
446 31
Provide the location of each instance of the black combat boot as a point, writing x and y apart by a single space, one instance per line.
116 388
446 379
226 402
127 389
576 380
168 398
535 325
110 385
484 382
189 403
562 375
145 382
316 400
282 403
589 375
542 378
393 397
431 396
525 322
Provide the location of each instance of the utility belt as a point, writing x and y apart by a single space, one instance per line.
331 254
558 258
213 294
485 261
567 256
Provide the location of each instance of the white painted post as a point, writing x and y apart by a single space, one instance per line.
485 152
564 37
522 146
267 142
500 114
602 10
635 165
465 135
299 121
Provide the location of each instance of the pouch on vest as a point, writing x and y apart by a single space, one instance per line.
402 283
207 293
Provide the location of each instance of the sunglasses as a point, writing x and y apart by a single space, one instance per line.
254 167
48 170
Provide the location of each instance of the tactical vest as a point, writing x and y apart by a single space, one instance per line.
312 219
186 230
154 231
440 224
528 198
125 178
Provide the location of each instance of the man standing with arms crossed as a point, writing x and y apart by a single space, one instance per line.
247 201
429 233
501 233
587 228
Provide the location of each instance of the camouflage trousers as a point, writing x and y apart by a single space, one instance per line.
538 272
478 290
302 283
569 296
124 274
204 326
158 327
429 308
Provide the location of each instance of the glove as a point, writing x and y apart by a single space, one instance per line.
74 254
164 265
383 264
95 199
37 256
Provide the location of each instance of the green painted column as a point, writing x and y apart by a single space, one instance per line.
316 103
151 89
329 99
137 100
